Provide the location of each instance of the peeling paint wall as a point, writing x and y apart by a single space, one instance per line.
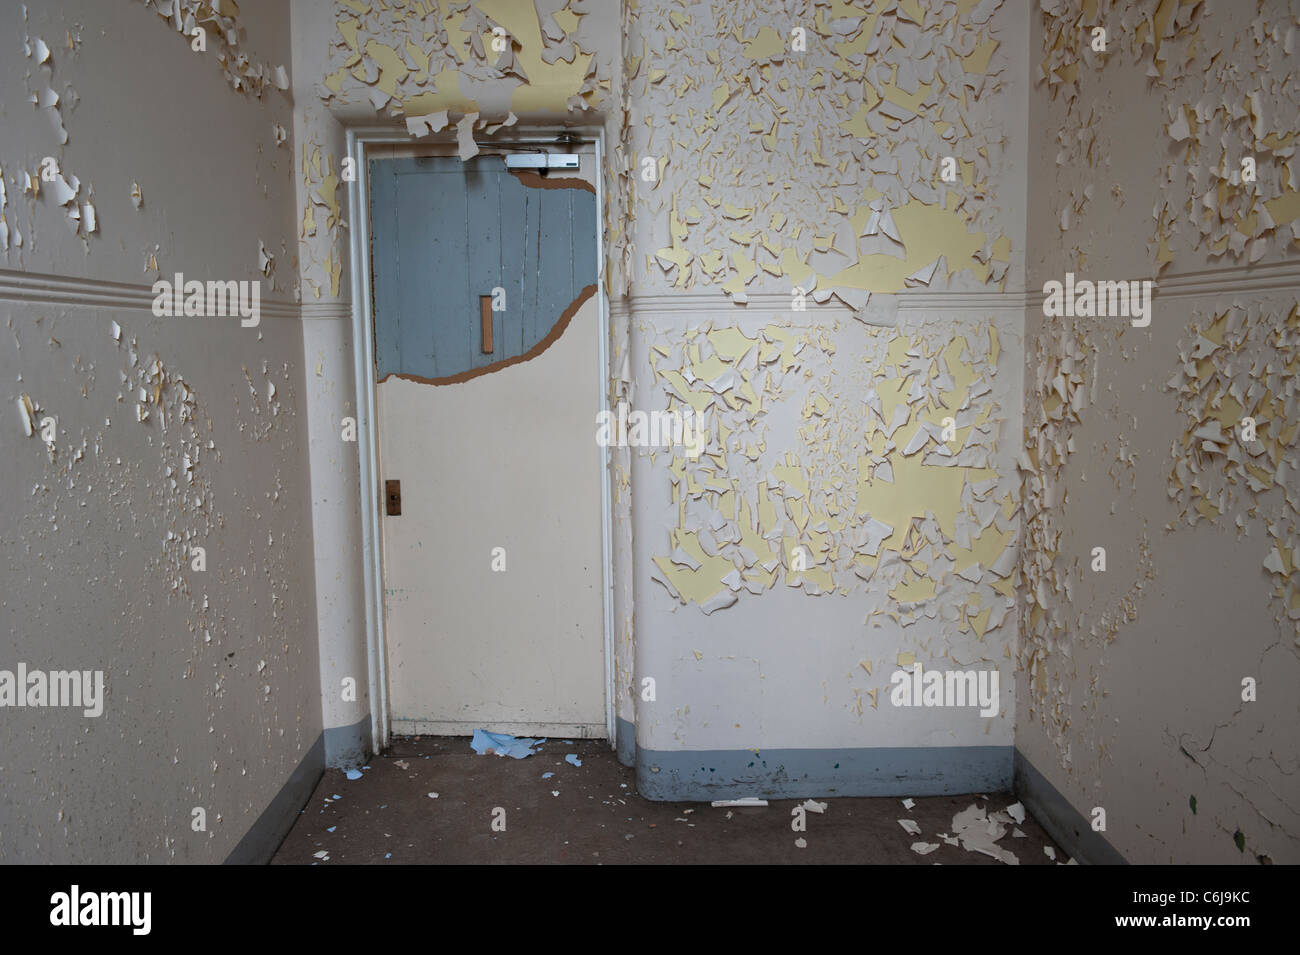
430 68
821 167
771 169
150 436
825 537
786 203
1130 680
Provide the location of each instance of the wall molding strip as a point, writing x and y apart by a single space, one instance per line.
21 287
37 288
1270 277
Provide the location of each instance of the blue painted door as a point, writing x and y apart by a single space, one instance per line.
445 234
492 571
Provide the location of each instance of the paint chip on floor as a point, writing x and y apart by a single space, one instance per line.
503 744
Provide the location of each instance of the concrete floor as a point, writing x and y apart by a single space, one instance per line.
388 817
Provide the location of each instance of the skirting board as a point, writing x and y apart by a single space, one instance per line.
703 775
1063 822
265 835
549 730
347 747
625 742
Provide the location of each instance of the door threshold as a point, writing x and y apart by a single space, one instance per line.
456 728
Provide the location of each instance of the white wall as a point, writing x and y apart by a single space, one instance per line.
211 676
978 83
760 149
325 279
1130 681
329 95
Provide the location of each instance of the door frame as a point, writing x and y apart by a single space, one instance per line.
359 138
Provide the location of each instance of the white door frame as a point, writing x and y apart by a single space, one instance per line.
363 361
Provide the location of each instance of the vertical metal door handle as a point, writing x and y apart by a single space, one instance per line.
485 322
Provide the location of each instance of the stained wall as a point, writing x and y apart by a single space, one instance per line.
1133 681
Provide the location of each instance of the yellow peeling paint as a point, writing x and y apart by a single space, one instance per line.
730 343
913 589
392 68
978 61
985 549
764 45
334 81
927 231
549 85
1285 207
348 29
909 101
917 488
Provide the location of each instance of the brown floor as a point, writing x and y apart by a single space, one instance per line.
387 817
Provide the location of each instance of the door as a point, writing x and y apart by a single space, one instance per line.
488 382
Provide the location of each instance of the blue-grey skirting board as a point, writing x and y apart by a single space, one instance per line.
625 741
347 747
342 747
1063 822
265 835
701 775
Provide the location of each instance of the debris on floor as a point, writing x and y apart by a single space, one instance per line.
572 759
978 831
389 820
503 744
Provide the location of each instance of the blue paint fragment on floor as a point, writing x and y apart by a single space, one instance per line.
572 759
547 775
331 828
354 774
503 744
